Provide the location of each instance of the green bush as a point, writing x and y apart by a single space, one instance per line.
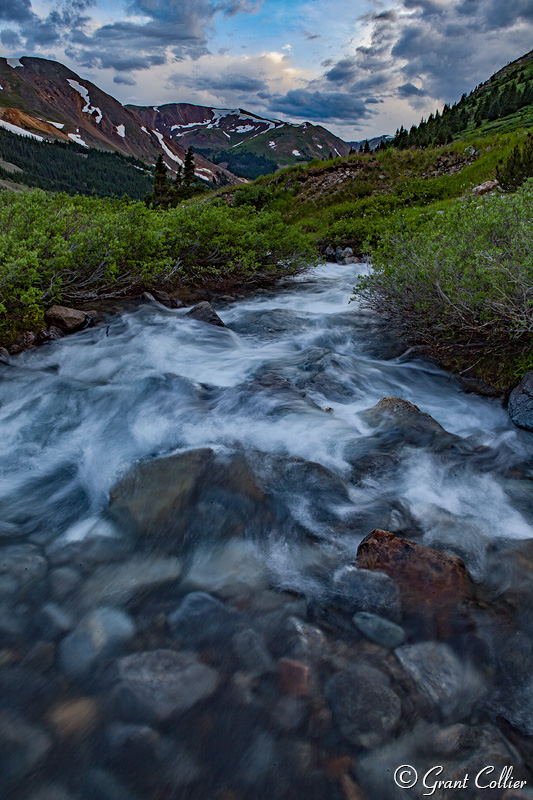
56 248
464 274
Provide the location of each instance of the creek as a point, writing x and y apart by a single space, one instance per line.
192 636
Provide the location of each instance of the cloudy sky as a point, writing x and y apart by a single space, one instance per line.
359 67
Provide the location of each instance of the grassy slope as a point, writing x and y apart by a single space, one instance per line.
346 201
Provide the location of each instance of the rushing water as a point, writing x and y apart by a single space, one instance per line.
280 474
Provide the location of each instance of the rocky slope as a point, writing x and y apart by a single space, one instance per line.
216 130
46 100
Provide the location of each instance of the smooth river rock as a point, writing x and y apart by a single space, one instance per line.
364 706
100 634
154 685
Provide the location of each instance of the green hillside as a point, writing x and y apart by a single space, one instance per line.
71 168
502 104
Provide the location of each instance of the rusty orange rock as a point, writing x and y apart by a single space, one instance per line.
294 677
432 583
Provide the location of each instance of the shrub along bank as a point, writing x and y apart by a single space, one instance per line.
461 281
79 250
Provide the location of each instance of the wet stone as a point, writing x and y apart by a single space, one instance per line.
293 638
251 652
22 748
294 677
154 685
204 312
53 621
378 629
23 563
451 685
100 634
364 706
63 581
53 791
74 718
289 712
14 619
116 584
105 786
201 619
356 589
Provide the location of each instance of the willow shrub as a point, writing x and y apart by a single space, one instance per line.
56 248
464 274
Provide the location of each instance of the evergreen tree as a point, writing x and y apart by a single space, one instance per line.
188 169
518 167
366 147
161 196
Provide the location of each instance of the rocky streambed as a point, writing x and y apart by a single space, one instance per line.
277 559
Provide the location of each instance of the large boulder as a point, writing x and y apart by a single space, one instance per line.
66 319
188 498
434 585
521 403
204 312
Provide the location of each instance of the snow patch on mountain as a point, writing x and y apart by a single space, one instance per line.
77 138
121 130
19 131
166 149
84 94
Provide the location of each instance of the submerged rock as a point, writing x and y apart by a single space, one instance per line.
413 427
155 685
22 748
202 620
24 566
438 674
379 630
521 403
364 706
116 584
188 498
356 589
100 634
204 312
433 585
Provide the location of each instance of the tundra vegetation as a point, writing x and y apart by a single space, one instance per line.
455 268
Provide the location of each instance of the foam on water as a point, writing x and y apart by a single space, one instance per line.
76 415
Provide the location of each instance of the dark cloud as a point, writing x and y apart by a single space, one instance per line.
447 47
322 106
125 80
343 71
123 63
10 38
16 10
179 27
310 36
410 90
